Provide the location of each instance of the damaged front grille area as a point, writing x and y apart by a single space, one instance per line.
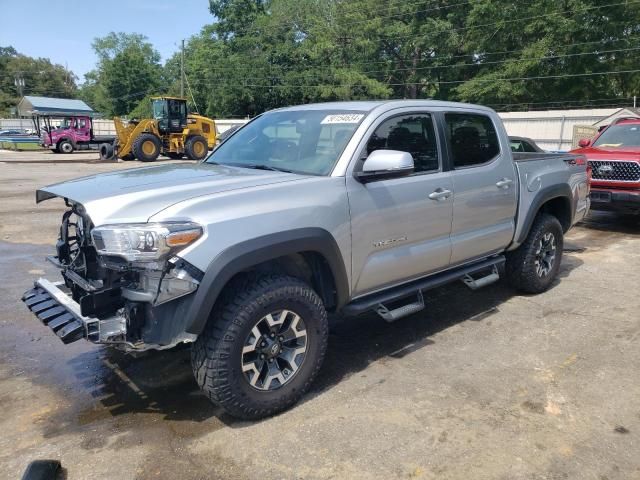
95 288
53 306
109 300
65 325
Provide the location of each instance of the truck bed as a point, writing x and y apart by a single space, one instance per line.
543 176
520 157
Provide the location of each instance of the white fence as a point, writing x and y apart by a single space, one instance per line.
552 129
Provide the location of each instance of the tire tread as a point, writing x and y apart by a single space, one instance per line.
520 267
212 349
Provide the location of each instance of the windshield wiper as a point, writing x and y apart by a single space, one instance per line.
257 166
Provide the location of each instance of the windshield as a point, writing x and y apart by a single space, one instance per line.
620 136
159 109
299 141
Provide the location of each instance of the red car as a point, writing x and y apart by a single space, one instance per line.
614 157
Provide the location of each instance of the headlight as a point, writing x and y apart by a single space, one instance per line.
144 242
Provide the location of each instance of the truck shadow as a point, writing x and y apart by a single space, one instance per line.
162 383
357 342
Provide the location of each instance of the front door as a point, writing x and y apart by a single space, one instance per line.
82 128
484 179
400 227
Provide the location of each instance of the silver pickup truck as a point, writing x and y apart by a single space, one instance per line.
347 207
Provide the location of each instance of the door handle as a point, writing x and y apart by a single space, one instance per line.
440 194
504 183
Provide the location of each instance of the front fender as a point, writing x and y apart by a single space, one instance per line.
252 252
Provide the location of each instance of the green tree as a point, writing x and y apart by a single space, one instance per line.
571 42
263 54
128 69
39 75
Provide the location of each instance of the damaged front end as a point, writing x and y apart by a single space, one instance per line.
122 285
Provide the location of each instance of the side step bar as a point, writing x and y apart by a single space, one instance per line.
476 283
376 301
391 316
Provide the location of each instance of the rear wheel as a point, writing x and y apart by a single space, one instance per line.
146 147
196 147
534 265
65 146
262 347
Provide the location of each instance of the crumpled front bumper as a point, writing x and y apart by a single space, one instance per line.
57 310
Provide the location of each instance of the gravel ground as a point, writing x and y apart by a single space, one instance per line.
481 385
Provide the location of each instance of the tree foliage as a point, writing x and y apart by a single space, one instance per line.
40 77
261 54
128 70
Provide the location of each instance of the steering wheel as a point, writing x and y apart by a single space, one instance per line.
282 149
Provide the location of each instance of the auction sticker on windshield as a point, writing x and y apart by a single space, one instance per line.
342 118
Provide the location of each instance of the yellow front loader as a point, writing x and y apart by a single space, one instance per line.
171 132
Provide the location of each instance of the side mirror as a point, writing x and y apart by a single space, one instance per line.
385 164
584 142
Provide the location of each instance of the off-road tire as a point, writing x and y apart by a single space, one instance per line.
43 470
216 357
196 147
520 268
65 146
106 151
141 147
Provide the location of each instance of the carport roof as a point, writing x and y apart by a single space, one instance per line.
48 106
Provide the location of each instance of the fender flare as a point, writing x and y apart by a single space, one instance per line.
542 197
68 139
252 252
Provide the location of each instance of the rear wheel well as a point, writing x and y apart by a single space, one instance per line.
559 207
310 267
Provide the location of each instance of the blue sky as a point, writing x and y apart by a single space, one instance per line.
63 30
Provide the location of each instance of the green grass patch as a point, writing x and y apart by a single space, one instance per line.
19 146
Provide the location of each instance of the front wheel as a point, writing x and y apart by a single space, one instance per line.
146 147
534 265
196 147
65 146
262 347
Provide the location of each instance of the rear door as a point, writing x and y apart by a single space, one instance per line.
398 232
485 184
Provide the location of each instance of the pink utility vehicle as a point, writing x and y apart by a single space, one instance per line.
74 133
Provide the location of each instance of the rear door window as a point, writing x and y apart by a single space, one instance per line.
473 139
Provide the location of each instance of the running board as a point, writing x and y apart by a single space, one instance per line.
475 284
373 301
391 316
